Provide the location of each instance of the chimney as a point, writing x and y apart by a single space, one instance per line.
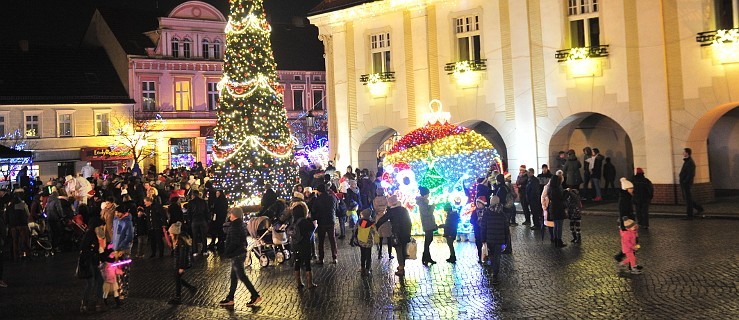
23 44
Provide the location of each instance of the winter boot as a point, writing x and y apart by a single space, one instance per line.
574 237
83 307
299 280
117 303
309 279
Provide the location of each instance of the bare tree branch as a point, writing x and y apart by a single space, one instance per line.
134 133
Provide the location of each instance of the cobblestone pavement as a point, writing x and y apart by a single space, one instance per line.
721 208
691 272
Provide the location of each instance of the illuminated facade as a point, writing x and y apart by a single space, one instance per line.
537 77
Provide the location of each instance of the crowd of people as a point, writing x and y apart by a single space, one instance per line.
177 211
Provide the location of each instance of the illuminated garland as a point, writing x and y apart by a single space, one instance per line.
246 89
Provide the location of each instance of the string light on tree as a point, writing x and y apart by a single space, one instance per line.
252 142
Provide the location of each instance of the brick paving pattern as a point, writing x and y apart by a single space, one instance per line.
691 272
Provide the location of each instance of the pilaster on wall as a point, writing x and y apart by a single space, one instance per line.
409 69
433 54
538 76
327 41
507 55
417 65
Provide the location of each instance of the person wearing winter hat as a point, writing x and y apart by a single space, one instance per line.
629 246
625 204
182 246
428 221
401 225
476 220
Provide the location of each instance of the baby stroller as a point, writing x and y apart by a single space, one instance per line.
270 242
40 240
76 229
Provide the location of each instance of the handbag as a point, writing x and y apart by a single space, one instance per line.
411 249
83 269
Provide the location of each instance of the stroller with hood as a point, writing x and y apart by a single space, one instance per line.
270 241
40 240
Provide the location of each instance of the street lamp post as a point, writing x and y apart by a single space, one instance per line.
310 123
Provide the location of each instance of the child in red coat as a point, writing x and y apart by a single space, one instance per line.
629 246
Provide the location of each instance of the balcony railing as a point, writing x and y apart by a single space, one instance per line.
581 53
707 38
377 77
467 65
175 114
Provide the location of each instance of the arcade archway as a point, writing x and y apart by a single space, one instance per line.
593 130
371 148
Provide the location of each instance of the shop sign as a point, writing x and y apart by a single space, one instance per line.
105 154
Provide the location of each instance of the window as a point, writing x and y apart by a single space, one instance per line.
316 78
727 14
186 50
317 99
2 125
102 124
175 48
206 49
182 95
33 126
467 29
297 99
217 50
212 95
297 78
380 52
149 96
584 23
65 124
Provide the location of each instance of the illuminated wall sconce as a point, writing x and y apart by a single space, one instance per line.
378 84
580 62
466 73
724 43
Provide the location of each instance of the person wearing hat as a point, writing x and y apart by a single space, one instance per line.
401 224
629 245
476 221
643 194
236 251
182 245
625 199
428 222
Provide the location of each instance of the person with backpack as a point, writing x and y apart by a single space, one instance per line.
301 233
365 235
496 234
643 194
573 205
182 245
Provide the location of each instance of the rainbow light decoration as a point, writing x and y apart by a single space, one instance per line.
446 159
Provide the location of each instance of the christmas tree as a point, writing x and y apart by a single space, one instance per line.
253 146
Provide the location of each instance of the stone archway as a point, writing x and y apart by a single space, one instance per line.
367 156
492 135
595 130
713 140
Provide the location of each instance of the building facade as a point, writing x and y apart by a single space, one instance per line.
173 73
640 80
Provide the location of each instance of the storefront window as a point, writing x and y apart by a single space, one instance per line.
209 150
182 153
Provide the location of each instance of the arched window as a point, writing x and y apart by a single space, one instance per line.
206 49
217 49
186 48
175 47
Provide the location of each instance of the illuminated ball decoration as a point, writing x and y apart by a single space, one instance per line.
443 157
252 142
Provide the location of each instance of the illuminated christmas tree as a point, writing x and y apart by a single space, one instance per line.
253 146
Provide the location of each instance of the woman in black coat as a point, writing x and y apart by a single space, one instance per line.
496 233
556 211
450 230
88 266
401 224
182 247
220 211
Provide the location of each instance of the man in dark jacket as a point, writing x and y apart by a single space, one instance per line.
182 244
687 174
495 233
595 174
533 196
197 208
609 175
155 215
323 209
643 193
521 182
236 251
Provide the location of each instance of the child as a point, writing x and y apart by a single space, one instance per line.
573 205
450 230
110 276
629 246
351 213
182 246
366 236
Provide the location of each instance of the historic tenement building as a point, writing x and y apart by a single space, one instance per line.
640 80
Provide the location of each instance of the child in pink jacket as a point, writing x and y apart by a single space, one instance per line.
629 246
